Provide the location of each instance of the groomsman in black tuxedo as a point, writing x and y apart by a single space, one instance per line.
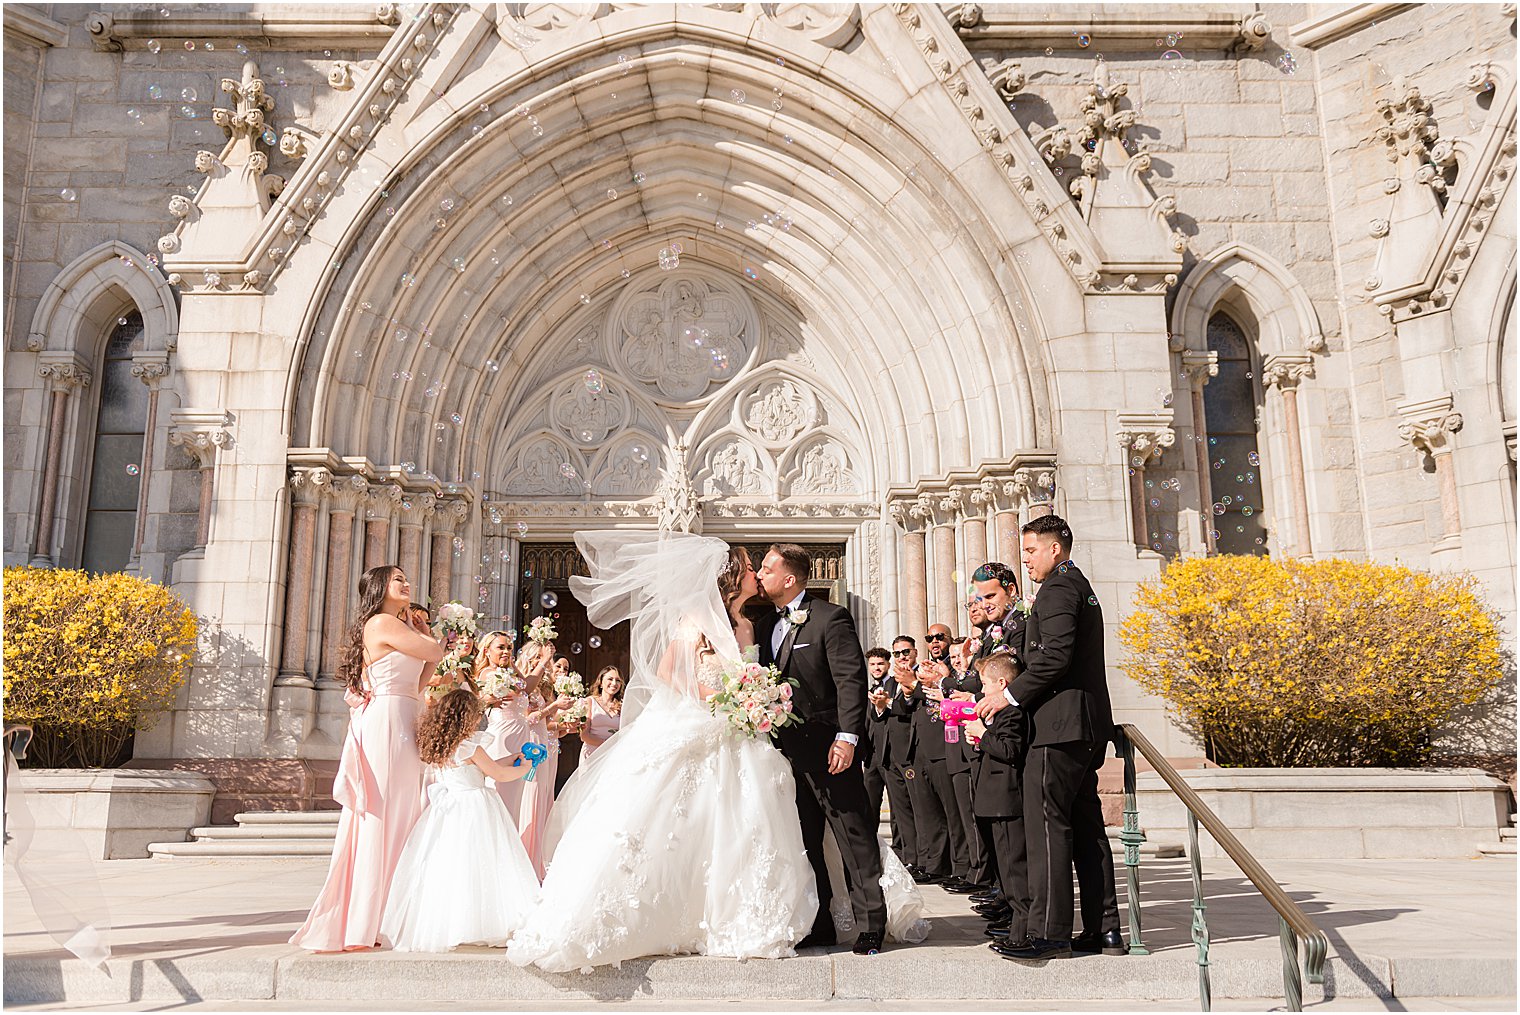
1064 690
877 662
813 641
965 685
999 800
892 747
941 835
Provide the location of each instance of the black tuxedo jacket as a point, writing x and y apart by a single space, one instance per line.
891 730
998 765
928 727
873 743
1064 686
825 658
1012 640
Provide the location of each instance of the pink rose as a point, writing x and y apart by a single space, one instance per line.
764 726
785 690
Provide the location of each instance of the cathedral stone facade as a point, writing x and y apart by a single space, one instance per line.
295 290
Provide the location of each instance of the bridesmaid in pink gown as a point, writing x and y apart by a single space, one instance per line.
527 718
386 661
507 723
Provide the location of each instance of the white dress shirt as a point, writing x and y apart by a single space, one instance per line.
779 635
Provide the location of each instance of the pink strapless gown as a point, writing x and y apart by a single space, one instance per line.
379 784
528 802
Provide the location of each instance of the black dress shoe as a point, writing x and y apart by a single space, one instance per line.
1090 944
959 886
1036 949
993 912
998 929
817 939
868 943
922 876
982 898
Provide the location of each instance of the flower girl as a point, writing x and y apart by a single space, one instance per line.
463 877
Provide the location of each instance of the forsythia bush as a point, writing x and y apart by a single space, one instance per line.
1329 663
90 659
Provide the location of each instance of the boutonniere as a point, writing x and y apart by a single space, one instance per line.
1024 606
796 616
996 632
973 645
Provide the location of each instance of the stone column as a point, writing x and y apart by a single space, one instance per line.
1199 367
150 368
347 494
1283 371
447 517
65 372
201 434
384 502
981 498
1038 486
293 700
947 508
915 602
307 488
1005 521
1141 437
1428 425
409 555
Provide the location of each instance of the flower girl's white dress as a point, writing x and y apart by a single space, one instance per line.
464 877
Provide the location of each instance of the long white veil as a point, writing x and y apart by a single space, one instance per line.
666 584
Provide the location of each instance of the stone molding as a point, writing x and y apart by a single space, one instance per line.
150 367
63 321
1270 286
1428 424
33 27
341 26
1285 370
1200 366
1317 32
1129 31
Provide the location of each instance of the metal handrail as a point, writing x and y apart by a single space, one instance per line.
1294 925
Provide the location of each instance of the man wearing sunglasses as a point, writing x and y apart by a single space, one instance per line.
941 835
892 749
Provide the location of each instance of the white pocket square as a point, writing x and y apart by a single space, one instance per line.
803 645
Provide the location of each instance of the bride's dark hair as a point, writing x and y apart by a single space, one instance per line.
371 598
731 579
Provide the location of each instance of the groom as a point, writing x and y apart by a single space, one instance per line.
813 641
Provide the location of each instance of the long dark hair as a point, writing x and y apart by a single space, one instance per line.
371 599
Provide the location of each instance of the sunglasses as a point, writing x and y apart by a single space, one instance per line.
902 652
936 637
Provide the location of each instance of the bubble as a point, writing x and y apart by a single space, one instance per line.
1092 600
593 381
738 96
446 205
269 136
1218 508
1248 511
154 45
242 48
1155 502
68 194
719 360
155 92
669 259
567 470
1254 458
585 299
505 200
492 365
1049 51
549 600
638 177
576 648
587 437
208 47
955 576
187 112
133 470
1287 64
638 454
189 45
522 530
458 543
457 418
1171 54
1083 39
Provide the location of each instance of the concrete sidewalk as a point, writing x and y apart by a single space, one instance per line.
213 932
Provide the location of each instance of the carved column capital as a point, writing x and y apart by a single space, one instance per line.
1284 370
983 494
1038 484
383 500
347 491
1255 31
1428 424
1142 436
309 486
65 370
150 367
947 506
449 513
201 433
1200 366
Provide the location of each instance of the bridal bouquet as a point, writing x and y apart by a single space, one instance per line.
570 685
455 617
576 715
542 631
753 698
496 680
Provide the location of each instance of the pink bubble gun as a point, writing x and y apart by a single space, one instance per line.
956 714
535 753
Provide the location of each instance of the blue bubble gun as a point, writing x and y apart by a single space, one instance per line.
535 753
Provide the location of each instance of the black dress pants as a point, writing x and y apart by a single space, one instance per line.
1006 837
904 830
979 867
941 839
1063 825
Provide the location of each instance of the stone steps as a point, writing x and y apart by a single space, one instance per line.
258 834
1506 846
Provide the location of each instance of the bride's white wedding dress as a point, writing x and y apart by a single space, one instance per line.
686 841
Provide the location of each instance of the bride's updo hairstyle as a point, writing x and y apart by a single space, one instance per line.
372 588
731 577
443 727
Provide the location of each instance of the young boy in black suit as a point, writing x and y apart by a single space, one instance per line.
999 804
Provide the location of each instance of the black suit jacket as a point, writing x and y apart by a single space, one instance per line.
825 658
1012 639
928 727
892 730
1064 686
959 756
998 765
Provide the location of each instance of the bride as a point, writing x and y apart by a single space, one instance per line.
679 835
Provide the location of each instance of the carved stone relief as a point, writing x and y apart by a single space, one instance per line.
588 417
543 470
733 469
630 468
825 470
779 410
683 335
